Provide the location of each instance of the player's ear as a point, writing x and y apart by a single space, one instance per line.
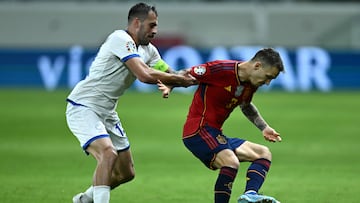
257 65
137 22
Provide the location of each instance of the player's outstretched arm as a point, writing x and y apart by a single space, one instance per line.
166 89
148 75
251 112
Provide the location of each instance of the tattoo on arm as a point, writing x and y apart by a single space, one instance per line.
251 112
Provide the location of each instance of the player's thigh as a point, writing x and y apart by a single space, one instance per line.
227 158
250 151
124 162
102 148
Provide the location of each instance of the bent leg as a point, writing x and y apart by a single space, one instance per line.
249 151
260 156
228 164
105 154
123 170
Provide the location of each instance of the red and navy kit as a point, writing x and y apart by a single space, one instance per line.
220 91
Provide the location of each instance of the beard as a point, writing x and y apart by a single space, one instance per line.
144 41
144 38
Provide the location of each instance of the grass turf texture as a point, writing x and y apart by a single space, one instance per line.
318 160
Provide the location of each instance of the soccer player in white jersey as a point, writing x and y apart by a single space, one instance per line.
91 115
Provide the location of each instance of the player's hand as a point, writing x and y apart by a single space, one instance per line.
271 135
183 72
164 89
190 80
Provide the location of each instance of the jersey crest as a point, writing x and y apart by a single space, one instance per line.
221 139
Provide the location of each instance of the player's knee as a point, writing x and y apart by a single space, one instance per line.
103 154
226 158
265 153
234 163
109 153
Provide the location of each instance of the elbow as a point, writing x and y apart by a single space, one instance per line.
244 106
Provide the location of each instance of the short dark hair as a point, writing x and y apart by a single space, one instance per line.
270 57
141 11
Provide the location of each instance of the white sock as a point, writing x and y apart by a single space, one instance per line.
88 194
101 194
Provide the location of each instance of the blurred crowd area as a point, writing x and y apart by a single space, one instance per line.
199 23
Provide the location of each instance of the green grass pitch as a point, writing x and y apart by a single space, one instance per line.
318 160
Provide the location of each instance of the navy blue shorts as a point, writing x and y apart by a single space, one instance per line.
208 142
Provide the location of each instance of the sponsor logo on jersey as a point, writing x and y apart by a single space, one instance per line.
199 70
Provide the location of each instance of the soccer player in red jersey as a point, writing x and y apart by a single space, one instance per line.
224 85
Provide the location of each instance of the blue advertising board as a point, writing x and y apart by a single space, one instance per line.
307 68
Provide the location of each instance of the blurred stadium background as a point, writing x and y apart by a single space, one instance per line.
46 47
198 23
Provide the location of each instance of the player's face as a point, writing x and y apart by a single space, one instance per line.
148 29
263 75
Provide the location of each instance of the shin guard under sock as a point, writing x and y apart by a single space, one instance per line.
256 174
224 183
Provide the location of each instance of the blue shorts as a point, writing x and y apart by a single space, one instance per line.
208 142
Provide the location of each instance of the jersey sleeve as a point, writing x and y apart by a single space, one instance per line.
214 72
122 46
201 72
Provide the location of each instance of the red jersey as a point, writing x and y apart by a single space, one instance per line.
219 92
